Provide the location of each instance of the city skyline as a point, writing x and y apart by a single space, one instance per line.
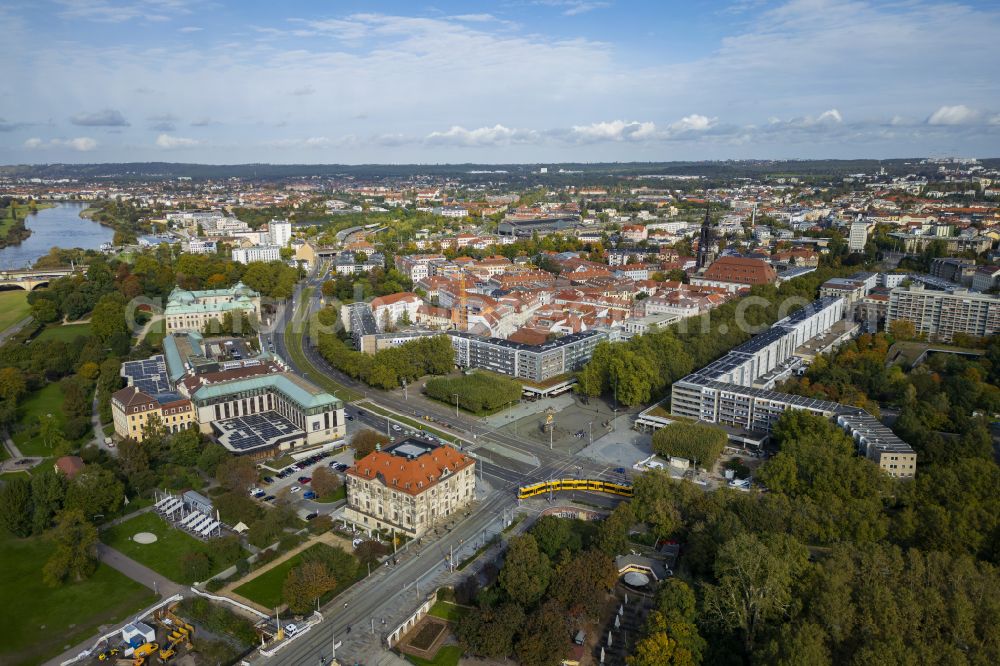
553 80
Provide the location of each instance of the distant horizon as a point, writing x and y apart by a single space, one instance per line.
10 165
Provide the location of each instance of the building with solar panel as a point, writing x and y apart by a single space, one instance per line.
728 392
251 406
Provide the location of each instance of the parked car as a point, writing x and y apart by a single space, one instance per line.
269 498
304 479
311 516
268 479
295 489
291 629
396 427
309 494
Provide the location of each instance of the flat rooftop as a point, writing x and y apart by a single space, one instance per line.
243 434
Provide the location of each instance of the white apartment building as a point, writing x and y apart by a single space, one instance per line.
858 236
942 314
246 255
387 310
279 232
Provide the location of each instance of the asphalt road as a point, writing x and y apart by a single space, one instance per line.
398 589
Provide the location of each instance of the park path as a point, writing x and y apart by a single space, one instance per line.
13 329
11 446
140 573
328 538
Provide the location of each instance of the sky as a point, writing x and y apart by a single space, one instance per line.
536 81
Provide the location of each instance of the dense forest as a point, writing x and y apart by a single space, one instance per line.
837 563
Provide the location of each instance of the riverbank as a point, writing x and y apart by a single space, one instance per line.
56 224
13 230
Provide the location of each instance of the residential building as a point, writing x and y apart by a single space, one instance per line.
942 314
132 409
279 232
858 236
985 278
246 255
534 363
410 487
394 308
191 310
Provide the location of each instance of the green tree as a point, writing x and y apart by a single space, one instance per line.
237 475
755 580
108 317
364 442
15 505
48 491
543 638
489 632
700 443
324 482
305 584
44 310
196 566
12 384
95 491
75 554
526 571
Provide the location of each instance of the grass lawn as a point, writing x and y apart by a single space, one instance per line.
338 494
48 400
155 334
13 308
66 333
448 655
38 620
448 611
265 589
165 555
293 340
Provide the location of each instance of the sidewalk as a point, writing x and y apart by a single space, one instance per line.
328 538
138 572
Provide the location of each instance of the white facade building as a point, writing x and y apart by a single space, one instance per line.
246 255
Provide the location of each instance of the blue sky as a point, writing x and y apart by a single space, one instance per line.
507 81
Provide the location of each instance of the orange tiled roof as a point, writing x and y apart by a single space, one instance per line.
410 476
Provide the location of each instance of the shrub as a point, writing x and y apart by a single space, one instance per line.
479 392
694 441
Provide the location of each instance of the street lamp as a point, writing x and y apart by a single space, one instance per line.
456 404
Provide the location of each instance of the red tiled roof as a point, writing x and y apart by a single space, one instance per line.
412 476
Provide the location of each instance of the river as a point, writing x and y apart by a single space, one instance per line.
59 226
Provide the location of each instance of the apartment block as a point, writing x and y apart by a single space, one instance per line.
941 314
534 363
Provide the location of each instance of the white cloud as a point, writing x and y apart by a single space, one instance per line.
103 118
81 144
191 28
693 123
498 135
831 116
614 130
105 11
954 115
575 7
169 142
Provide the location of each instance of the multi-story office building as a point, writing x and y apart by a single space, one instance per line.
409 487
191 310
534 363
942 314
246 255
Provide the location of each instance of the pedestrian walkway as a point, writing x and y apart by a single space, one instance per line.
329 538
140 573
